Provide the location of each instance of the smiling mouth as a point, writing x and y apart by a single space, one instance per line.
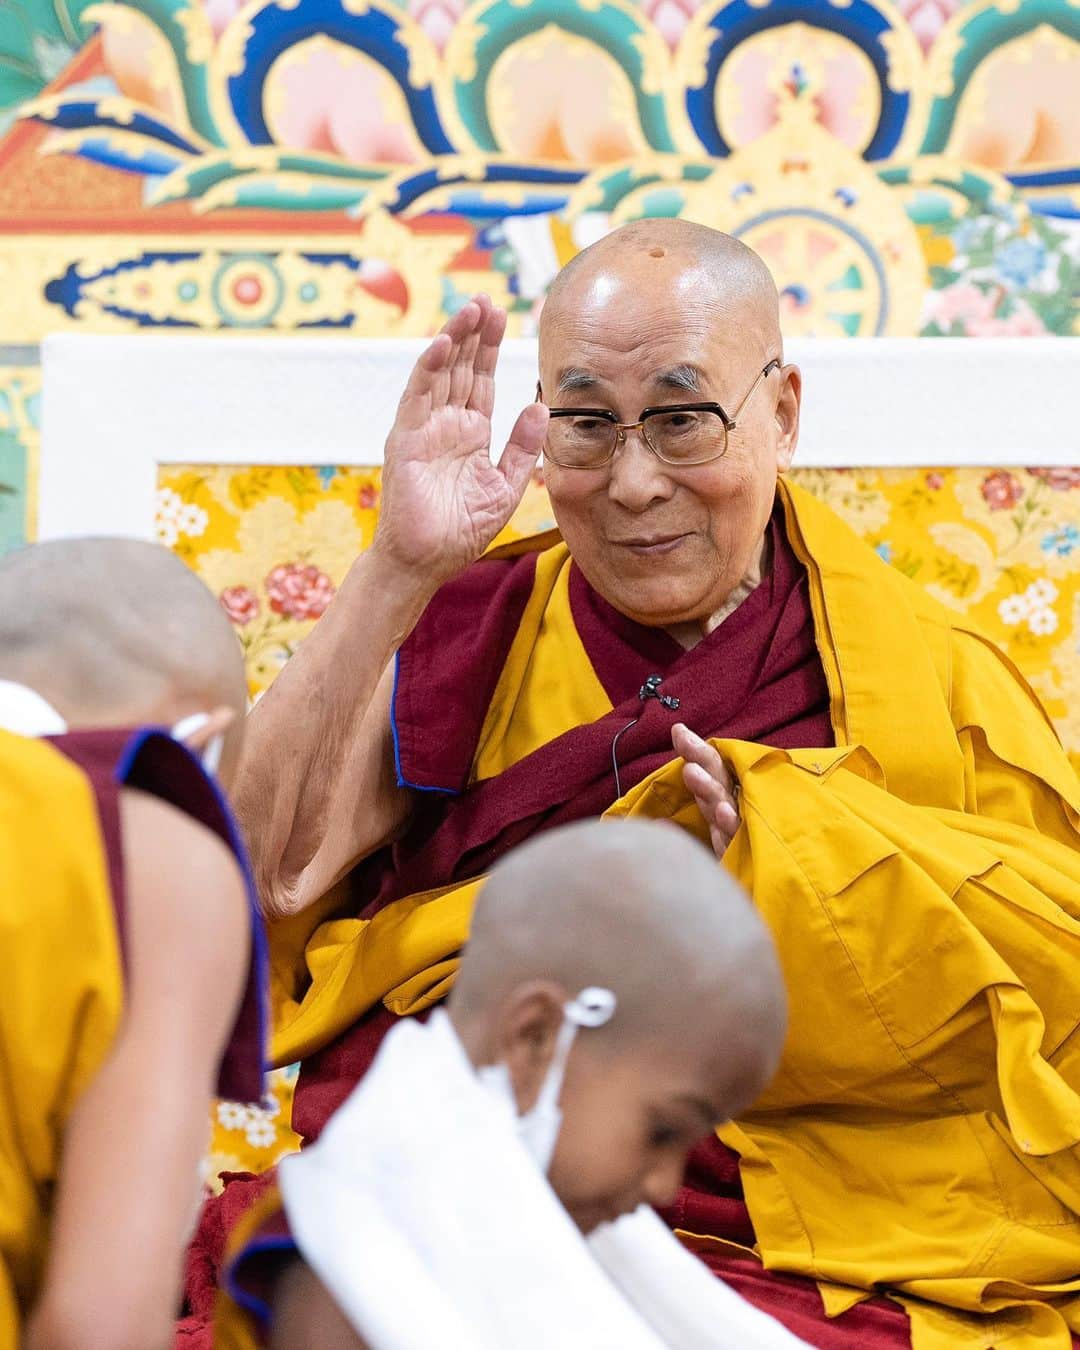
651 548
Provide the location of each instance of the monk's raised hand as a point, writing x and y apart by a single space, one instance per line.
710 782
443 499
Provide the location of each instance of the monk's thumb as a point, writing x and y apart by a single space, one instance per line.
519 458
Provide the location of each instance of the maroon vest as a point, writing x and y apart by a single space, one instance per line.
149 759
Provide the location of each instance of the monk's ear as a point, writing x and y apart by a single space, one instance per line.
787 417
529 1024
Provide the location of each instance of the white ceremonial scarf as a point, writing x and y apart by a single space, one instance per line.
424 1214
25 712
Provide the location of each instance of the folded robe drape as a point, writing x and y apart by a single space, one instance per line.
918 867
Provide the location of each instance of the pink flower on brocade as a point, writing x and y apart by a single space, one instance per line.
1001 490
368 498
1061 479
935 481
299 590
240 603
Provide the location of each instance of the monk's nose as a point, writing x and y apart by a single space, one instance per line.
663 1181
637 476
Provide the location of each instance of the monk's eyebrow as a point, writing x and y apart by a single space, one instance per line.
574 379
679 377
705 1109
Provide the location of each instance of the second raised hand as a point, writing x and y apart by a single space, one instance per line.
443 500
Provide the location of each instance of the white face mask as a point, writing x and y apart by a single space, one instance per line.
538 1128
210 754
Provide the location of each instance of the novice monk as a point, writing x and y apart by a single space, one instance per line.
619 998
131 988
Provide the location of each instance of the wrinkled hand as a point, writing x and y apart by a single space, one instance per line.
712 785
444 501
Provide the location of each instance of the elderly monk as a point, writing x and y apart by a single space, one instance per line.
127 924
704 642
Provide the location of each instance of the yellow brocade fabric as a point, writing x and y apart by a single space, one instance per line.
922 880
63 992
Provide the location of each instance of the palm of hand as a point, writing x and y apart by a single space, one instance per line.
443 498
458 500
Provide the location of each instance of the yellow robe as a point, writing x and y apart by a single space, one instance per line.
922 880
62 993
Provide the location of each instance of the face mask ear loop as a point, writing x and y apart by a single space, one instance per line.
593 1007
188 726
210 756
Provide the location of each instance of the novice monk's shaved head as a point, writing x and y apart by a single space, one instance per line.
115 632
644 910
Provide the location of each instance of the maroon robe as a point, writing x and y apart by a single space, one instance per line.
757 677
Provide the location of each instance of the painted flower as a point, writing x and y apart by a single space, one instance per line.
670 17
935 481
1043 622
232 1116
967 233
260 1133
928 17
961 302
1061 542
1001 490
1021 322
1041 593
975 311
240 603
1020 261
437 18
1014 609
368 498
1061 478
299 590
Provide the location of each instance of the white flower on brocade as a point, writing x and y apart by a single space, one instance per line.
260 1132
167 515
233 1116
1014 609
1043 622
192 520
1041 593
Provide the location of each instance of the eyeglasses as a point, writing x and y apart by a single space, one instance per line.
680 434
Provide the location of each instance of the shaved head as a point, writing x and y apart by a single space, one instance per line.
115 631
669 256
643 909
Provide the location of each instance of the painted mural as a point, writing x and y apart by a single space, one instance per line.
359 167
362 165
